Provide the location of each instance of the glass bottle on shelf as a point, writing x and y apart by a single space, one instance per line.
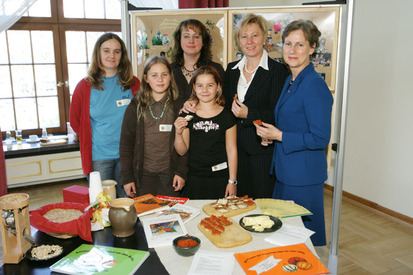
44 133
9 141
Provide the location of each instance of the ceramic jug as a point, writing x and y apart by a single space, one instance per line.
122 216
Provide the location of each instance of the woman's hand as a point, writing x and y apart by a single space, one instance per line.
231 190
239 109
180 124
268 133
178 183
130 189
189 107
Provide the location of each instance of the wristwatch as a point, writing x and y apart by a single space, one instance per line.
233 182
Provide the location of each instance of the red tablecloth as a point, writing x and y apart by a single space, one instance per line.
81 226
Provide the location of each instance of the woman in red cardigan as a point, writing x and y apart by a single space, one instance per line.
98 105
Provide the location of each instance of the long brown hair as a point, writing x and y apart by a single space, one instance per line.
195 25
145 94
96 70
208 70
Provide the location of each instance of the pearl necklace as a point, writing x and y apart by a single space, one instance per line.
250 72
157 117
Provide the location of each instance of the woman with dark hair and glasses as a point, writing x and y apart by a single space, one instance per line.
192 50
98 105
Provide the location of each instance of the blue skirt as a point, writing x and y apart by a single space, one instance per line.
310 197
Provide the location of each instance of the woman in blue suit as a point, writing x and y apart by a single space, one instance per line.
303 120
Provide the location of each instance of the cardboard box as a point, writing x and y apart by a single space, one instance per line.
76 193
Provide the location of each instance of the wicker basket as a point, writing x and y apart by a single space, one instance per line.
69 229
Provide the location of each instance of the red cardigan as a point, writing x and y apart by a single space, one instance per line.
80 120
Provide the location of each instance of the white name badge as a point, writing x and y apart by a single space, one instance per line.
123 102
219 167
165 127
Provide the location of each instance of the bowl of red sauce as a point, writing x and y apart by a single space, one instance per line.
186 245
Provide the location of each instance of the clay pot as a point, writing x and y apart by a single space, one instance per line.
122 216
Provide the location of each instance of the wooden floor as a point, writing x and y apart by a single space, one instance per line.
370 242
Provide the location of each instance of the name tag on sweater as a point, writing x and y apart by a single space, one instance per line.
165 127
123 102
219 167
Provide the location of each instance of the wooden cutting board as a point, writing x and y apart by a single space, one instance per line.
53 142
234 235
209 210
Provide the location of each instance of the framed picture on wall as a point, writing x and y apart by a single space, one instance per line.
326 19
152 34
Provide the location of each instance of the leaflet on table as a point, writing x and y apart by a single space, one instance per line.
212 262
161 230
172 200
148 204
186 212
280 260
289 234
94 259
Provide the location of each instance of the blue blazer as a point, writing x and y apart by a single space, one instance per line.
303 114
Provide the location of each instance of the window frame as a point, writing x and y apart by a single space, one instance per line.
59 25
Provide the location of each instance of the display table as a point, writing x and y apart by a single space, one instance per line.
170 258
162 260
152 265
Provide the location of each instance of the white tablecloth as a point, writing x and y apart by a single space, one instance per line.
178 265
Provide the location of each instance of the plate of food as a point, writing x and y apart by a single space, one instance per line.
260 223
44 254
230 206
224 232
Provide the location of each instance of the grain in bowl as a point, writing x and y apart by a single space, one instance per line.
60 215
45 252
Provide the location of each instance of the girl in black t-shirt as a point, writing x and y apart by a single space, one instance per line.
209 136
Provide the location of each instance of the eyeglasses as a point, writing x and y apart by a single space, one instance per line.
189 37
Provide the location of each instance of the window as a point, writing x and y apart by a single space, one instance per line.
44 55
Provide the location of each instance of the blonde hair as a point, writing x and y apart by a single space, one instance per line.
145 94
250 18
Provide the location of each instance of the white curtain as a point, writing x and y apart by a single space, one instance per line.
164 4
11 11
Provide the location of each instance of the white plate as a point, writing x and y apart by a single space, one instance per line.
32 141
